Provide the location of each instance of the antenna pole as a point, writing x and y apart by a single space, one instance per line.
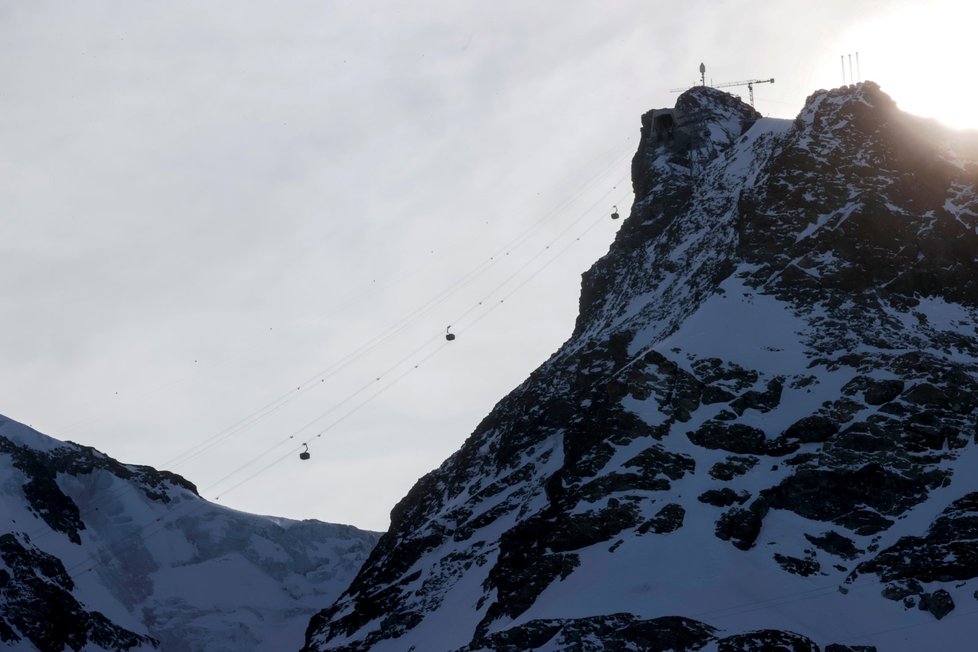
703 74
850 70
843 58
859 76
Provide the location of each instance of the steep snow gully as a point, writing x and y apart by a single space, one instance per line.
761 433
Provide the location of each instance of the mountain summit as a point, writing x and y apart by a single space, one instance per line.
762 431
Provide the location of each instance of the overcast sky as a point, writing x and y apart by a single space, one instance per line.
207 205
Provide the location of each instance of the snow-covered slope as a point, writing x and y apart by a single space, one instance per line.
98 555
761 432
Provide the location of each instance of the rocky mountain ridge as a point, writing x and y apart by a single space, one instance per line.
761 431
99 555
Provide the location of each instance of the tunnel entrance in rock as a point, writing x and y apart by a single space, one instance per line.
662 126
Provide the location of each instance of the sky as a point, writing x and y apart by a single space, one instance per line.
229 228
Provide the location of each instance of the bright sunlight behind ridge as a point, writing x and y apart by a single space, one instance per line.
921 54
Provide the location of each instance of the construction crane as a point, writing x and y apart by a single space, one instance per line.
749 83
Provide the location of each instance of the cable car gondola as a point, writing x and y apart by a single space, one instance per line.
449 335
304 455
614 213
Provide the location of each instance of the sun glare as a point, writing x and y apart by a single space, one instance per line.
921 56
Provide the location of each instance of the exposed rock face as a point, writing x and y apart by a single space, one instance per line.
767 401
765 640
99 555
939 603
625 630
39 606
47 500
946 553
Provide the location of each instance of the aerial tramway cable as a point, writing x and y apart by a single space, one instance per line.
145 531
399 326
287 397
474 321
460 318
194 451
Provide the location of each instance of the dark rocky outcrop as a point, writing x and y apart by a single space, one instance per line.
724 497
902 589
767 640
857 499
668 519
742 526
946 553
796 566
734 438
812 429
938 603
617 632
836 544
38 603
58 510
732 466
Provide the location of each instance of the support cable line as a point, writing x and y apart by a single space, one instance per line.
541 252
458 320
293 450
146 531
516 242
286 398
485 313
325 430
397 327
520 239
472 308
292 395
344 362
279 402
331 410
41 533
305 388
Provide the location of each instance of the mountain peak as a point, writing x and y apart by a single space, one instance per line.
867 93
720 117
775 368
